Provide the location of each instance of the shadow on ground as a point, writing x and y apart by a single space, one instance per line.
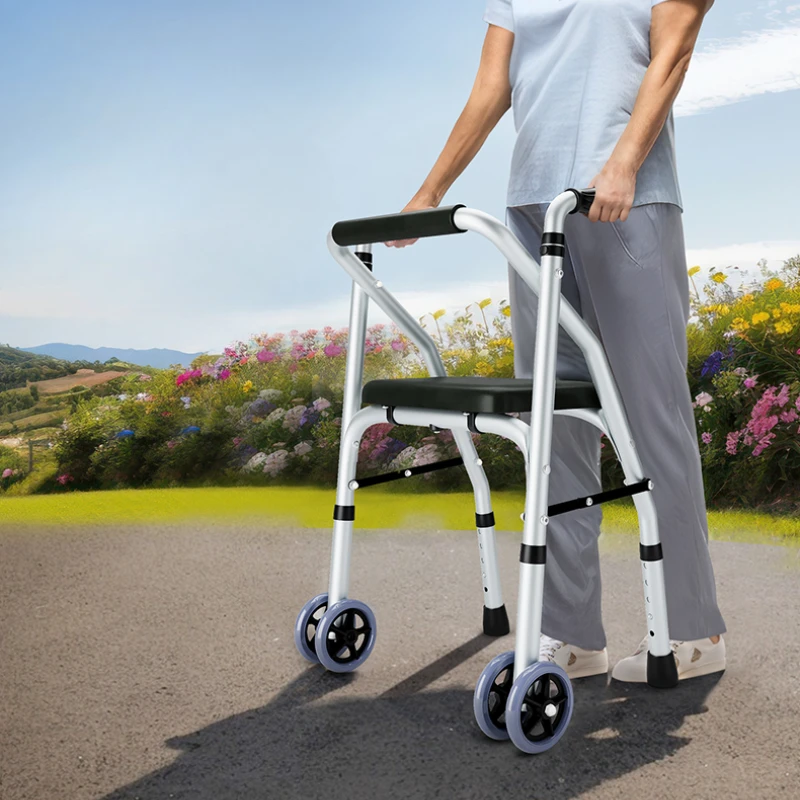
413 742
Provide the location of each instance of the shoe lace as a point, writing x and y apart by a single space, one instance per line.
548 647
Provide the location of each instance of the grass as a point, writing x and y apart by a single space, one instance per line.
313 508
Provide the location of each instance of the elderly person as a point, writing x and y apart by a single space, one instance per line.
591 84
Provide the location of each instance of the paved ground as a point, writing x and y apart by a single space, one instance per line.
159 663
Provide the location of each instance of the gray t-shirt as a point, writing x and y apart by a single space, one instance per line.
575 70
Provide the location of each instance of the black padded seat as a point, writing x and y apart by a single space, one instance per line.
474 393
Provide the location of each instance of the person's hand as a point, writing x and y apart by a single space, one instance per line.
615 186
416 204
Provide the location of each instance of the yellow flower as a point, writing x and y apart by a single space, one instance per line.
507 310
760 316
784 326
747 298
247 386
694 271
718 277
739 324
776 313
773 283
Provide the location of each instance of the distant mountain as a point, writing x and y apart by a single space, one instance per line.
17 367
159 358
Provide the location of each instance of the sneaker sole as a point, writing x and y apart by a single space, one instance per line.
691 673
588 671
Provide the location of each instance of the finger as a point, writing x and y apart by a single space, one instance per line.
613 215
624 214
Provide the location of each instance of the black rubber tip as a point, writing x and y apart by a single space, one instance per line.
495 621
662 672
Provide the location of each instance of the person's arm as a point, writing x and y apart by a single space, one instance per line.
489 100
674 27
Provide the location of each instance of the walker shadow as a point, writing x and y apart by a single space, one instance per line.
406 743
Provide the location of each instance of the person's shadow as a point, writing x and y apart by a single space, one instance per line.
411 742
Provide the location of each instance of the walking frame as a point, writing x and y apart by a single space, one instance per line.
537 695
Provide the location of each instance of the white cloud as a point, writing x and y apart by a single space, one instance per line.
729 70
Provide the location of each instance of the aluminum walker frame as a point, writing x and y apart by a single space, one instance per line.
327 629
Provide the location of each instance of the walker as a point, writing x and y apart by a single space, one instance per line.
517 696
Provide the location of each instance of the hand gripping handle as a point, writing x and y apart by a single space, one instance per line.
585 200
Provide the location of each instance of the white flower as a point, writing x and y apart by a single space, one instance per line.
122 397
256 461
275 462
703 399
275 415
270 394
320 403
291 419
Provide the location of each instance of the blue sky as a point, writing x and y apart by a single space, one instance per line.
169 170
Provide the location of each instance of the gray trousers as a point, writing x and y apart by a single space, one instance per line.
628 281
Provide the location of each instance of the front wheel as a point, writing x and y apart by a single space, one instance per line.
539 707
491 695
345 636
305 628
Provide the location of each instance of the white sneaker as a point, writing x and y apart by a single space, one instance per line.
577 662
695 658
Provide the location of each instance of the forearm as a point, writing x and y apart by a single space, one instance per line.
660 86
481 114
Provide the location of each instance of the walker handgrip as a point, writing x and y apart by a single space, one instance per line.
585 200
390 227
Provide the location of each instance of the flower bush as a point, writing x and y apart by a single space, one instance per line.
12 467
269 410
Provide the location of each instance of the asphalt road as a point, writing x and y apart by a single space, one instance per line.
158 663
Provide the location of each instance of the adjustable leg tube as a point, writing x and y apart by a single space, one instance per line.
495 618
533 550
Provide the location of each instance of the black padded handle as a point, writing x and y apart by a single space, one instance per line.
390 227
585 200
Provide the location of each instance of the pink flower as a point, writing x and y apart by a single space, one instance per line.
732 442
7 473
62 479
706 437
333 350
266 355
224 374
749 382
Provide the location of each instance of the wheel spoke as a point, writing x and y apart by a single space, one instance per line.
547 724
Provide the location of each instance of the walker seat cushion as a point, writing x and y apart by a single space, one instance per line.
474 393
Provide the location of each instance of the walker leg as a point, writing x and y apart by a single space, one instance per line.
662 671
495 618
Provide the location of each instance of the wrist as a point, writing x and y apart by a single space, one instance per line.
624 163
428 196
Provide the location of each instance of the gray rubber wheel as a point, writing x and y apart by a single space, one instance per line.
539 707
305 628
491 695
345 636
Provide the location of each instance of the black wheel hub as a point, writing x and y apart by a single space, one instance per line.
348 636
544 707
